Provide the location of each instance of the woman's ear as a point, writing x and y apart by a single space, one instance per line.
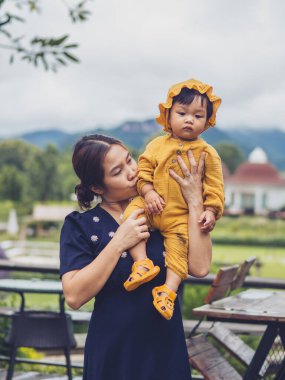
97 190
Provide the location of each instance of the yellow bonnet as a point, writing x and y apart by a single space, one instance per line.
194 84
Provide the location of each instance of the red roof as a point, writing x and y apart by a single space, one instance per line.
252 173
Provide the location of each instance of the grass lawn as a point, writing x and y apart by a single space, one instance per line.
272 259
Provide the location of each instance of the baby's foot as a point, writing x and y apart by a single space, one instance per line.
163 300
142 271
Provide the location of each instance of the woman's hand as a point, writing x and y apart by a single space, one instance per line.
132 230
191 184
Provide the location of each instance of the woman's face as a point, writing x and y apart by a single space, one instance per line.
120 175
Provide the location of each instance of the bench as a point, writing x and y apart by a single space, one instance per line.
206 359
232 343
235 327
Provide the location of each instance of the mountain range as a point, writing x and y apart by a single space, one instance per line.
135 134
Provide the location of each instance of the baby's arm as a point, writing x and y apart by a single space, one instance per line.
147 163
213 190
208 220
153 201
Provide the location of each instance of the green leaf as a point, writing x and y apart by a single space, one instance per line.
15 17
44 62
60 40
35 40
7 34
71 46
71 57
60 60
86 13
26 58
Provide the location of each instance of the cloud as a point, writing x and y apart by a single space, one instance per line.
132 51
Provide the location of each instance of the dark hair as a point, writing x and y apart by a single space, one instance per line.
87 160
186 96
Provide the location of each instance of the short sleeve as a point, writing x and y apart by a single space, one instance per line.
75 249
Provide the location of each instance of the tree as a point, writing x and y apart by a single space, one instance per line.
11 183
47 52
44 177
230 154
28 173
67 175
16 153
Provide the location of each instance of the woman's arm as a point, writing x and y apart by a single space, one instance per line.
79 286
200 244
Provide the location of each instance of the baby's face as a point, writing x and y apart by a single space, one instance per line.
188 121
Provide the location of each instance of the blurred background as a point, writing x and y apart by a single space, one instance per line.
70 68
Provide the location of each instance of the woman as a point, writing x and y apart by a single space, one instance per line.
127 339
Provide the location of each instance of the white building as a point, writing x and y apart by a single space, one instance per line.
255 187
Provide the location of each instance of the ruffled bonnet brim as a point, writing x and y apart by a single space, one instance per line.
203 88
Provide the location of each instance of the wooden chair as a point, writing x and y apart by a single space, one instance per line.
219 289
242 273
203 355
43 330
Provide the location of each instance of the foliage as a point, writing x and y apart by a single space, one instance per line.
48 52
11 183
193 296
230 154
270 260
16 153
29 174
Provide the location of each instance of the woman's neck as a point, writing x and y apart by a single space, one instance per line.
116 209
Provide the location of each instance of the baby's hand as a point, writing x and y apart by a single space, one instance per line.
153 202
207 220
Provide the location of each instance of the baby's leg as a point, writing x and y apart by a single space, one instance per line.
143 269
138 252
172 280
176 246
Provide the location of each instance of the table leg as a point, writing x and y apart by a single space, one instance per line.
22 307
281 373
262 351
282 333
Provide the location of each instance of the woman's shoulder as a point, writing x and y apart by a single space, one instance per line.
88 226
80 218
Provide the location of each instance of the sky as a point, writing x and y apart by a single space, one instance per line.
132 51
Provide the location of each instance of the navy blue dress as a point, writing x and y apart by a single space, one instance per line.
127 338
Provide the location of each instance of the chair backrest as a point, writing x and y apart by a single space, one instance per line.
242 273
222 283
41 330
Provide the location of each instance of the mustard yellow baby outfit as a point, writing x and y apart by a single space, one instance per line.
153 167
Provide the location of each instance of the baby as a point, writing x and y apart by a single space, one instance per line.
189 110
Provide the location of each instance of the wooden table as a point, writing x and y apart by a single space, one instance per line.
254 306
32 286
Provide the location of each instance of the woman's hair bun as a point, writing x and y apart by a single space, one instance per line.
84 195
